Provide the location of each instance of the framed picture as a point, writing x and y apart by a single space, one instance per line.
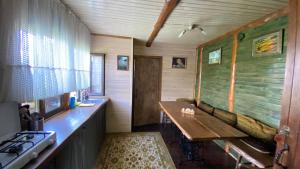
214 57
123 62
268 44
179 62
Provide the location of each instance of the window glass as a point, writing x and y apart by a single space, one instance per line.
97 75
52 103
33 106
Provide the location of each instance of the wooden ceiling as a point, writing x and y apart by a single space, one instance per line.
136 18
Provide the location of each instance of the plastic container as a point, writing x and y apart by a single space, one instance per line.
72 104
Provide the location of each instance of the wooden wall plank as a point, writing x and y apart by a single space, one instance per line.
118 84
176 83
215 80
281 12
259 80
256 88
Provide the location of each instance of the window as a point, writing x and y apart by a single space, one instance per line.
97 75
45 51
50 106
33 106
47 107
52 103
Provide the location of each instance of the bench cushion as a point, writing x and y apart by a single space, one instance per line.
206 107
255 128
227 117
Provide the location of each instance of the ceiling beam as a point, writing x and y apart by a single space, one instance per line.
164 14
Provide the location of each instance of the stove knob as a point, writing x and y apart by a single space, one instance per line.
51 141
34 154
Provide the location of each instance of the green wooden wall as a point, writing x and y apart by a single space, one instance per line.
216 78
259 80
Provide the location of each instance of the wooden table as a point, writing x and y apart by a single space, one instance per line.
200 126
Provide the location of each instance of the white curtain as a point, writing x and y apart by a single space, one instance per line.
44 50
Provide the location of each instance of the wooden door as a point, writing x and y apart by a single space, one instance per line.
290 115
147 90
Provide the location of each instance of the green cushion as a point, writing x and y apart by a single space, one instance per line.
255 128
187 100
206 107
227 117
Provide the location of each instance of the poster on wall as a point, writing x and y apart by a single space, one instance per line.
268 44
215 56
179 62
123 63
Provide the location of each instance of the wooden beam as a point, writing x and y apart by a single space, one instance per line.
200 75
165 13
233 73
281 12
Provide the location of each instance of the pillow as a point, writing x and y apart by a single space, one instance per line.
187 100
227 117
255 128
206 107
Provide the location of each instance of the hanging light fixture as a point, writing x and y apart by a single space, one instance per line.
190 28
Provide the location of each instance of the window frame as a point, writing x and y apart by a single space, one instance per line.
103 81
46 115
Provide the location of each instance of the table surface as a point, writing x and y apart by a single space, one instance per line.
201 126
65 124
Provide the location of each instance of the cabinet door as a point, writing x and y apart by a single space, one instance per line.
83 148
70 156
91 143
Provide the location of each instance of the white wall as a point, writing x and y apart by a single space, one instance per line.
176 83
118 84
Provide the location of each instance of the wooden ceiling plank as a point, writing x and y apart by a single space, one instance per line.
165 13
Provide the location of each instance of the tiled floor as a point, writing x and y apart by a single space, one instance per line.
214 157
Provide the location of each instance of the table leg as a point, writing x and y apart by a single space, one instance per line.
191 150
238 161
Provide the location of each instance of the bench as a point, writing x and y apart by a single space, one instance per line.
249 166
248 153
255 129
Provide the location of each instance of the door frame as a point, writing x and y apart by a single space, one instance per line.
133 84
290 111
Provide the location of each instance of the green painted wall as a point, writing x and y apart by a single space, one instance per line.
259 80
216 78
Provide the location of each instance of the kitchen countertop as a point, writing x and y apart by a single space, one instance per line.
65 124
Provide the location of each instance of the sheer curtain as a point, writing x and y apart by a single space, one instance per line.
44 51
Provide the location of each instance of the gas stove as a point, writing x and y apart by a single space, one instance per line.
18 148
23 147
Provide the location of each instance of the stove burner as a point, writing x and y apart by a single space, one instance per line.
20 149
29 136
15 148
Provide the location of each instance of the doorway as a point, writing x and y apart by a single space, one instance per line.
147 90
